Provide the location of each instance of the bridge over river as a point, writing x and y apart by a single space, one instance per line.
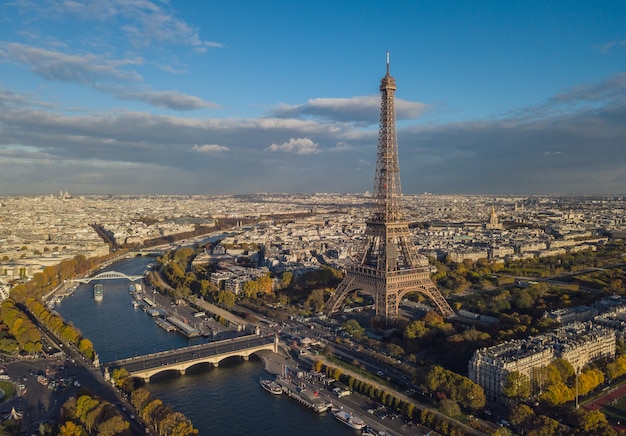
108 275
182 358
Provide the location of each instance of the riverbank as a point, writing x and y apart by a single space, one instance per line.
274 363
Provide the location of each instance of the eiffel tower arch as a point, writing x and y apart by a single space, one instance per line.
388 265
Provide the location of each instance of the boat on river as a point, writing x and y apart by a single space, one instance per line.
348 419
98 292
271 386
165 324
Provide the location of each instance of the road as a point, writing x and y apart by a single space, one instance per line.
72 365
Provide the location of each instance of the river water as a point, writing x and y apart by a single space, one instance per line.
227 400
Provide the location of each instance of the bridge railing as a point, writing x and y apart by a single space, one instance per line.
184 349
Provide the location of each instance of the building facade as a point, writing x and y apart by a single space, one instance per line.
578 343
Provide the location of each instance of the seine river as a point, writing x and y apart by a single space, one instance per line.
219 401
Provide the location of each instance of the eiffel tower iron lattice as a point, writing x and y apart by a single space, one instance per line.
388 265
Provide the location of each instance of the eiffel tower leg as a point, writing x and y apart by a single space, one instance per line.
334 302
392 306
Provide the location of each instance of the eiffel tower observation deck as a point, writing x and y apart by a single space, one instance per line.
388 265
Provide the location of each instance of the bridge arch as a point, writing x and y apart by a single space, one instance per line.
108 275
183 367
184 358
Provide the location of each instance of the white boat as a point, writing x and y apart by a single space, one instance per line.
98 292
271 386
348 419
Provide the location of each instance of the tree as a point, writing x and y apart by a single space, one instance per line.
456 387
84 405
521 415
544 426
139 398
176 424
415 330
150 411
617 368
119 376
226 299
71 429
86 348
286 279
524 300
93 417
516 386
450 408
353 328
113 426
69 334
557 393
589 380
251 288
265 284
566 370
592 422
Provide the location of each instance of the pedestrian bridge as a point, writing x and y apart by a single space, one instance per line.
108 275
182 359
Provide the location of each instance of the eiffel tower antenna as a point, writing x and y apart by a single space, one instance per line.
388 265
387 62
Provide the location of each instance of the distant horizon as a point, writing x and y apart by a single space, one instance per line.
556 194
125 97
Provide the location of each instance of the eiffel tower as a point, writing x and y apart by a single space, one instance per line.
388 265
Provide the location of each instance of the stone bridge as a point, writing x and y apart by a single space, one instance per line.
183 358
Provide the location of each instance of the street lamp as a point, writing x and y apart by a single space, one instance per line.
576 374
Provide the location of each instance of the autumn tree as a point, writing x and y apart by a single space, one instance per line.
139 398
516 386
70 429
589 380
617 368
456 387
115 425
521 415
353 328
86 348
592 422
119 376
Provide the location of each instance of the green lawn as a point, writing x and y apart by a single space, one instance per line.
617 410
8 388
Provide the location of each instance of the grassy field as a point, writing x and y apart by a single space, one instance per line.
616 410
8 388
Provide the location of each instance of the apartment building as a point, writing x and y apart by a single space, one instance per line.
578 343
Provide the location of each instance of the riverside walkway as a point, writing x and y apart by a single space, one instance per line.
183 358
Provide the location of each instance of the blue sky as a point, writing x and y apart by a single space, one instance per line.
203 97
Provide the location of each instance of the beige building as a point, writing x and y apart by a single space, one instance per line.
493 223
578 343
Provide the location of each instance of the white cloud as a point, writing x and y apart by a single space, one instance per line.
106 75
209 148
142 21
167 99
86 69
296 145
361 109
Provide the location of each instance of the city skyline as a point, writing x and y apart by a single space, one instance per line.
117 97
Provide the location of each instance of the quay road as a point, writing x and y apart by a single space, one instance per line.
182 358
84 371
